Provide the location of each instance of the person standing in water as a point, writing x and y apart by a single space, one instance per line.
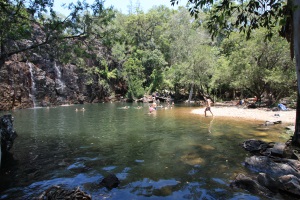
208 105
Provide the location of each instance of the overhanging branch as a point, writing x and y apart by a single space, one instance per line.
47 41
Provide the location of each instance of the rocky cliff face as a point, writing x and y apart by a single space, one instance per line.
25 85
35 78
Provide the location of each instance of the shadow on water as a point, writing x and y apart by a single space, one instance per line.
170 154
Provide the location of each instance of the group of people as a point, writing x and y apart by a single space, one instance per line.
153 106
208 103
82 109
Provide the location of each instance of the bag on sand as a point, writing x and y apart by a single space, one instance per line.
281 106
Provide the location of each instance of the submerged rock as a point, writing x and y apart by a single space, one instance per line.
255 146
111 181
56 192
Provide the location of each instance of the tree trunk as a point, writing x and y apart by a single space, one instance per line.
191 93
296 32
234 94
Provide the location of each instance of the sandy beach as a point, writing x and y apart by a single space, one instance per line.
258 114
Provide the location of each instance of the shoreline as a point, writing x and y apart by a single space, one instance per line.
257 114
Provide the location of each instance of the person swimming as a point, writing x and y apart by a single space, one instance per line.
151 109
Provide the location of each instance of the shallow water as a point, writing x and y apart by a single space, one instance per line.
170 154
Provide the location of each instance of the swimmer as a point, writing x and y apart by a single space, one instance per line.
154 105
151 109
124 107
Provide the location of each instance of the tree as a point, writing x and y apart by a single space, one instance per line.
191 52
265 67
28 22
139 45
251 15
133 73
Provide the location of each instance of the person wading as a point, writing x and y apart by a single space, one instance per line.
208 105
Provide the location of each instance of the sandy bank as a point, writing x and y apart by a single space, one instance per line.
258 114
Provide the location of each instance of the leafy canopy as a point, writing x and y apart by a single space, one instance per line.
250 15
36 22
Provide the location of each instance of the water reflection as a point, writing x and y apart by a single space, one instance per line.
172 154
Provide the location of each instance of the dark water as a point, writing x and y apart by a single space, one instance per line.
171 154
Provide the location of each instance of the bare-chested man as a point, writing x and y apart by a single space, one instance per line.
208 104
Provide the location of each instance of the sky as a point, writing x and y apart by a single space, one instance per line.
122 5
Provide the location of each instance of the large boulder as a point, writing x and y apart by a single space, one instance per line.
7 133
111 181
277 169
290 183
255 146
281 167
247 183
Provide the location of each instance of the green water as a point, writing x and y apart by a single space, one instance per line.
170 154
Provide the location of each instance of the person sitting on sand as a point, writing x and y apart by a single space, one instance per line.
252 100
240 102
208 104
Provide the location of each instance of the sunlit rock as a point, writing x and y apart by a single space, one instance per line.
290 183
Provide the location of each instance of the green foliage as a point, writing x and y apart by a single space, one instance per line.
30 21
228 16
139 42
105 73
265 65
133 73
160 49
191 52
250 15
154 63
